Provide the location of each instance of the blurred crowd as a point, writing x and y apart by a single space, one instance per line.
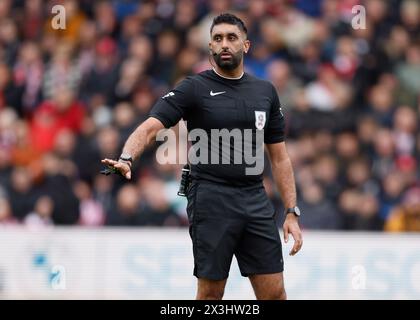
69 98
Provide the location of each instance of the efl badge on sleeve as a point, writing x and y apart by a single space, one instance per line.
260 119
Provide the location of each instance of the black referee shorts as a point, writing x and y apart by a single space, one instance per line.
226 221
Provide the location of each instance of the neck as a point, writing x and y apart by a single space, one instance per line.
236 73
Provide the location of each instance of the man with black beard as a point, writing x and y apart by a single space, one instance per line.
228 209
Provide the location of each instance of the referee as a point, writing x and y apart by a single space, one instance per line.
228 209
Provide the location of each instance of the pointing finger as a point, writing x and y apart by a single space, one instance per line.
109 161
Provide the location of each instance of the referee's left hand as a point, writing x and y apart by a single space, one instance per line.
291 226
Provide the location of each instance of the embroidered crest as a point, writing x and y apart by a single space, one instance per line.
260 119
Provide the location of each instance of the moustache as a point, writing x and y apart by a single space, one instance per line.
222 52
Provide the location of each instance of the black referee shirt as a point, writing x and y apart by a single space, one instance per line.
209 101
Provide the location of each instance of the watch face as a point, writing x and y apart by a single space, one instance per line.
297 211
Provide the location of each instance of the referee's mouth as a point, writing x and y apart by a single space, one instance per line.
226 55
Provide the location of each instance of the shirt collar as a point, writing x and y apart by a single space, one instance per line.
229 78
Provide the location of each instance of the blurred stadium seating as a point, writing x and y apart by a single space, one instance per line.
71 97
68 98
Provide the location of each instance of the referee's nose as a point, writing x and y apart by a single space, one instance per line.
225 44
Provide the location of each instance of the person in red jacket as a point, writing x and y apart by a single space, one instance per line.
62 112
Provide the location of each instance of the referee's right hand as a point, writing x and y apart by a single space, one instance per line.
123 167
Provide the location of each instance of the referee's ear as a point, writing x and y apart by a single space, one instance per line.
247 45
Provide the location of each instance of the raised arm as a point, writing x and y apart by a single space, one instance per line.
144 134
142 137
165 113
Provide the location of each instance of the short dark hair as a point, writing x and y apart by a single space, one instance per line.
229 19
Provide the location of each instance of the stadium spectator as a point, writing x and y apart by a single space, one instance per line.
41 215
6 213
69 97
406 217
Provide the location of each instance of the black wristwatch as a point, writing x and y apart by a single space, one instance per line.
295 210
126 157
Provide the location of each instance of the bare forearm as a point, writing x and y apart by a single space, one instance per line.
283 175
285 181
142 137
